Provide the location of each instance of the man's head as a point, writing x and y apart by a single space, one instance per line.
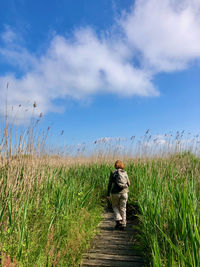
119 164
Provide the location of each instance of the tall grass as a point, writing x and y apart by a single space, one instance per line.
167 192
48 214
48 211
51 204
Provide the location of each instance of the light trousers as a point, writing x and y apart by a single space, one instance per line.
119 207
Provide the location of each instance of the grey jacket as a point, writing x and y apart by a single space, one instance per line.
113 188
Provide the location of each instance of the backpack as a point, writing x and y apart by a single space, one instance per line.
121 178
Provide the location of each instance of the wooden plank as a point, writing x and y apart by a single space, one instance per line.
110 246
110 263
113 247
112 230
117 242
101 256
113 238
114 235
123 251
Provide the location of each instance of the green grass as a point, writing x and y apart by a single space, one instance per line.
49 214
167 192
53 221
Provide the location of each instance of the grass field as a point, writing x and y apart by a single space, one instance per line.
167 192
49 209
48 214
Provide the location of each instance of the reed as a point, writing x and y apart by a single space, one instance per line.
51 203
167 192
49 211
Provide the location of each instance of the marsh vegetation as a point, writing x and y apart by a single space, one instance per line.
50 205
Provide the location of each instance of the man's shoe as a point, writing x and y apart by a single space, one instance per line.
118 225
122 227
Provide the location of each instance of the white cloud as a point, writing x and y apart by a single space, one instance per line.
8 36
159 35
12 51
75 68
166 33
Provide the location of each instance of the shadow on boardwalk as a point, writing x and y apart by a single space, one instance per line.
113 247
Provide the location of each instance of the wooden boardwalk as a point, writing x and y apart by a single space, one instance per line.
113 247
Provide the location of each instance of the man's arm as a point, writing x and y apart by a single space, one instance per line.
110 185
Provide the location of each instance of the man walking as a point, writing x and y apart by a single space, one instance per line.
118 187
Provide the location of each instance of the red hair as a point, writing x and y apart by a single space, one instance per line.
119 164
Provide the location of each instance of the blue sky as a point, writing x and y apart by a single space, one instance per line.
102 68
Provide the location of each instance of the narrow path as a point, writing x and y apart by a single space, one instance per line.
113 247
